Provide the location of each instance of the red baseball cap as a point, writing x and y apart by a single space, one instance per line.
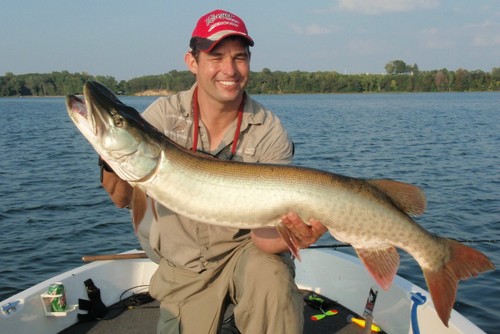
215 26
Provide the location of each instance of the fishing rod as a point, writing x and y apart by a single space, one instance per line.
464 241
142 255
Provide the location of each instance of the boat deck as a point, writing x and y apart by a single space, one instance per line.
142 319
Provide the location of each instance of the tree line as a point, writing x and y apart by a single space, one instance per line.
400 77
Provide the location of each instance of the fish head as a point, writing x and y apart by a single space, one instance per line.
116 131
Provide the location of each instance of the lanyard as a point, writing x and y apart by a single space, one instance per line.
196 121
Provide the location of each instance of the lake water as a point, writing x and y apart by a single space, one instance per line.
53 210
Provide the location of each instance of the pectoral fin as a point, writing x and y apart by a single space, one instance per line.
290 239
153 208
139 206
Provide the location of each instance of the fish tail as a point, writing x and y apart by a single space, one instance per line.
464 262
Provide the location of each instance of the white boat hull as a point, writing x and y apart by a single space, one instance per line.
336 275
343 278
111 277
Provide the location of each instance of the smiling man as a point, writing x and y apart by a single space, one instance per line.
203 268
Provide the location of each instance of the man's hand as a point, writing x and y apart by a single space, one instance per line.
305 234
269 240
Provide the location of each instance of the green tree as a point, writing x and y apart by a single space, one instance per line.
108 81
441 80
495 73
265 82
396 67
462 80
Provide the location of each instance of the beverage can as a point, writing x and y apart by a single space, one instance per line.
58 297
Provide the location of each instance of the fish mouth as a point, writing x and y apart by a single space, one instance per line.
91 113
77 105
79 113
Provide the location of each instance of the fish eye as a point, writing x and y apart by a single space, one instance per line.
118 120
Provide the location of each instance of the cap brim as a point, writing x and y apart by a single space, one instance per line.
207 44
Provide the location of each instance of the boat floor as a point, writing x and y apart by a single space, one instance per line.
142 319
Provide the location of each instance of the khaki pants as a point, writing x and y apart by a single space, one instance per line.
261 286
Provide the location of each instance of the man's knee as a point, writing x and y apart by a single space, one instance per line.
268 299
269 271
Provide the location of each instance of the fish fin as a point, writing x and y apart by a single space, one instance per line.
382 263
409 198
465 262
290 239
139 206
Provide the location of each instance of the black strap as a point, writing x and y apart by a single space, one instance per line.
103 166
95 307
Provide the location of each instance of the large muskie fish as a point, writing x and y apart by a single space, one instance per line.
372 215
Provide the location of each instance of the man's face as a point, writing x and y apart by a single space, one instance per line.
222 73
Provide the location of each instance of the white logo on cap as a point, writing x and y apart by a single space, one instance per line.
221 16
228 19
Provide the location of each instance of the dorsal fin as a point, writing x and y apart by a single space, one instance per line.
409 198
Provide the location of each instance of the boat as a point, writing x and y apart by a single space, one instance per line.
336 278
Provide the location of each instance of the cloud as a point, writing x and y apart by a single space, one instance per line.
312 29
484 34
374 7
366 47
485 41
435 38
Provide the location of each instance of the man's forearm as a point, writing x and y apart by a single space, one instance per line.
120 191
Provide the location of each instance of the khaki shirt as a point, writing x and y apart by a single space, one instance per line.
187 243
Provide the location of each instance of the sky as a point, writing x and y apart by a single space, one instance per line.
131 38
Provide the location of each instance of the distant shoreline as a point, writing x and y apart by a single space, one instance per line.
264 82
148 92
163 92
154 92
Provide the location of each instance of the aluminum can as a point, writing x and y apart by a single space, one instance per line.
58 301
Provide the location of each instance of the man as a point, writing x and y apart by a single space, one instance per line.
202 268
